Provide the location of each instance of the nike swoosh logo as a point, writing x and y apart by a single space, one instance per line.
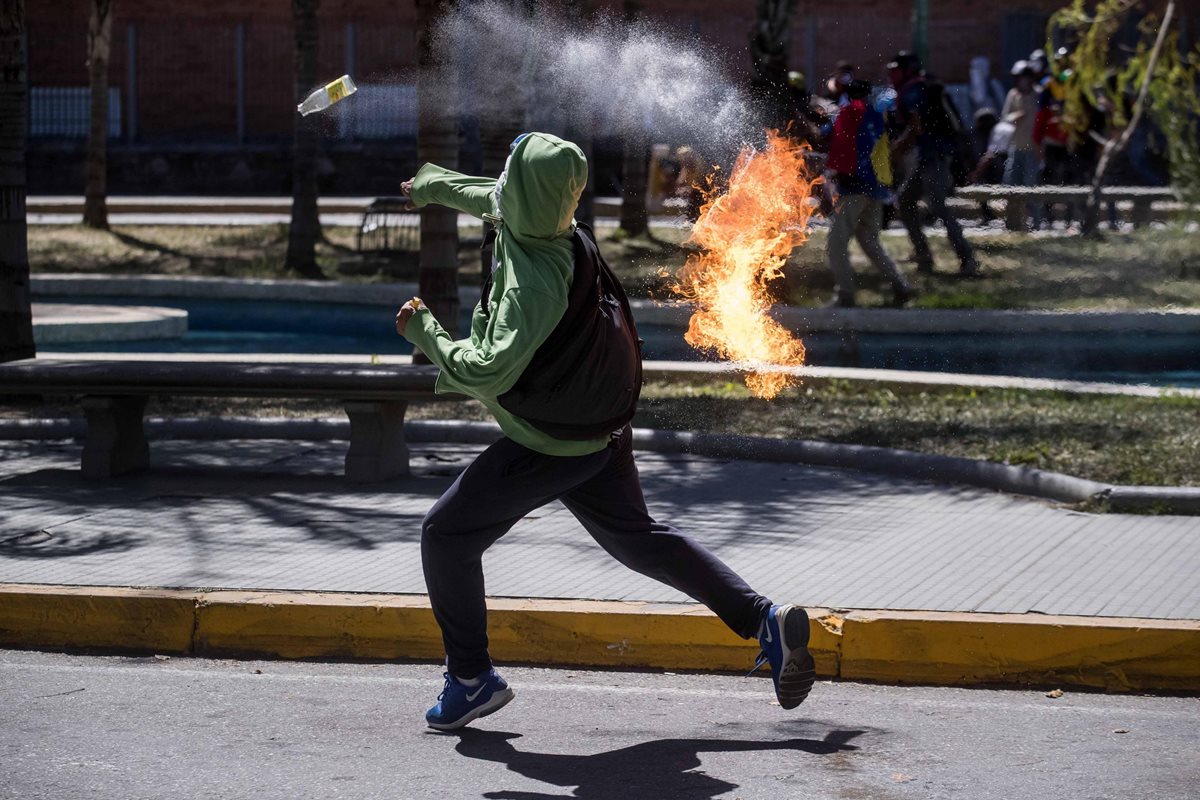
471 697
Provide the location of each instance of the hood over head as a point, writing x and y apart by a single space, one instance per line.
538 191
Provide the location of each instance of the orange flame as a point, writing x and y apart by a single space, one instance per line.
745 235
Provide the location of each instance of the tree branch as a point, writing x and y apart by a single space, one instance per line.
1113 148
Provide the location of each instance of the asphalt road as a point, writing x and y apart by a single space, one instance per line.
102 727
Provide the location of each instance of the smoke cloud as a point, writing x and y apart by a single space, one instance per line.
603 76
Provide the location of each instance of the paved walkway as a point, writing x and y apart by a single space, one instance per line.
271 515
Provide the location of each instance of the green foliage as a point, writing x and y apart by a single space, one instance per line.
1174 104
1106 75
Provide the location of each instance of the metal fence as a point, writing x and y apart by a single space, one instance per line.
65 111
220 83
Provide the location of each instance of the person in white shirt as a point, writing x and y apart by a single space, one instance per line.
1022 167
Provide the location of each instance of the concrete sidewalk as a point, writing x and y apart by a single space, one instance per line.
274 515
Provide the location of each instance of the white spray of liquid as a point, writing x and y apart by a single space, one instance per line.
602 76
325 96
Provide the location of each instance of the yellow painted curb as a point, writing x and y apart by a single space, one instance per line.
961 648
316 625
629 634
101 617
567 632
887 646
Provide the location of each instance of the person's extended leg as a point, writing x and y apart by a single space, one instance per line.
506 482
612 508
910 214
501 486
837 246
937 180
867 234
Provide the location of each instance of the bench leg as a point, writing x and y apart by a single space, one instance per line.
116 442
1141 213
377 449
1014 213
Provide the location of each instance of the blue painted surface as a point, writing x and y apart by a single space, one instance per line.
253 326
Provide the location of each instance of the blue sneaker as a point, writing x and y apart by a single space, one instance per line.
784 640
459 704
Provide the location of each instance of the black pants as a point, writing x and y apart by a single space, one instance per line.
604 493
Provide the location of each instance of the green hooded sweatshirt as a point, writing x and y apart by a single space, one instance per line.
533 205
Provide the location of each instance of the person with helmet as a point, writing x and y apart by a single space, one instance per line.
807 119
1039 64
925 149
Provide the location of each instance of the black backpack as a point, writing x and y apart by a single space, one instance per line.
943 120
941 115
585 380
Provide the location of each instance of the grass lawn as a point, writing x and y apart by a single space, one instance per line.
1141 441
1128 440
251 251
1154 268
1112 439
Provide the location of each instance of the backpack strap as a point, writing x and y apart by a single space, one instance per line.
489 240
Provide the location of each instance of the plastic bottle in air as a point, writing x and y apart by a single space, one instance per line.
327 95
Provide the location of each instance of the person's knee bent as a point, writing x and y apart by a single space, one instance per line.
436 526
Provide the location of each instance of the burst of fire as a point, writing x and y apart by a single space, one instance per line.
745 235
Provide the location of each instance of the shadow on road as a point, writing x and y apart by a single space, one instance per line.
663 769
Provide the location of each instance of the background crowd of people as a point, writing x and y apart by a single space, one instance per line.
898 150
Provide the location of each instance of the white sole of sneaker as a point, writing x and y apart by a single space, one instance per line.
499 700
799 670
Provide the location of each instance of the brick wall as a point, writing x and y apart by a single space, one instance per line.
186 68
186 59
186 77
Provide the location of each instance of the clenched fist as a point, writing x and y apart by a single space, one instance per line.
406 190
406 313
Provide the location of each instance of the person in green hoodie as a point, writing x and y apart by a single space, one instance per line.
532 206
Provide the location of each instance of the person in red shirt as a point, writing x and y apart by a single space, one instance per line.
861 164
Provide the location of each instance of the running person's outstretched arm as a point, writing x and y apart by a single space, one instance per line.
445 187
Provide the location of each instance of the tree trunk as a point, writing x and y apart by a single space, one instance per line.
498 128
305 228
770 44
496 134
1114 148
582 131
99 45
634 219
585 212
437 143
16 322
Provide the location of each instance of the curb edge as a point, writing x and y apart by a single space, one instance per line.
926 647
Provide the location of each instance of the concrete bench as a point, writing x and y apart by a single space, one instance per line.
114 395
1017 198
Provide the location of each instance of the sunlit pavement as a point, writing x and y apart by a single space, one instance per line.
78 726
272 514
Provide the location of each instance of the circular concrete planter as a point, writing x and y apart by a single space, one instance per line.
55 323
